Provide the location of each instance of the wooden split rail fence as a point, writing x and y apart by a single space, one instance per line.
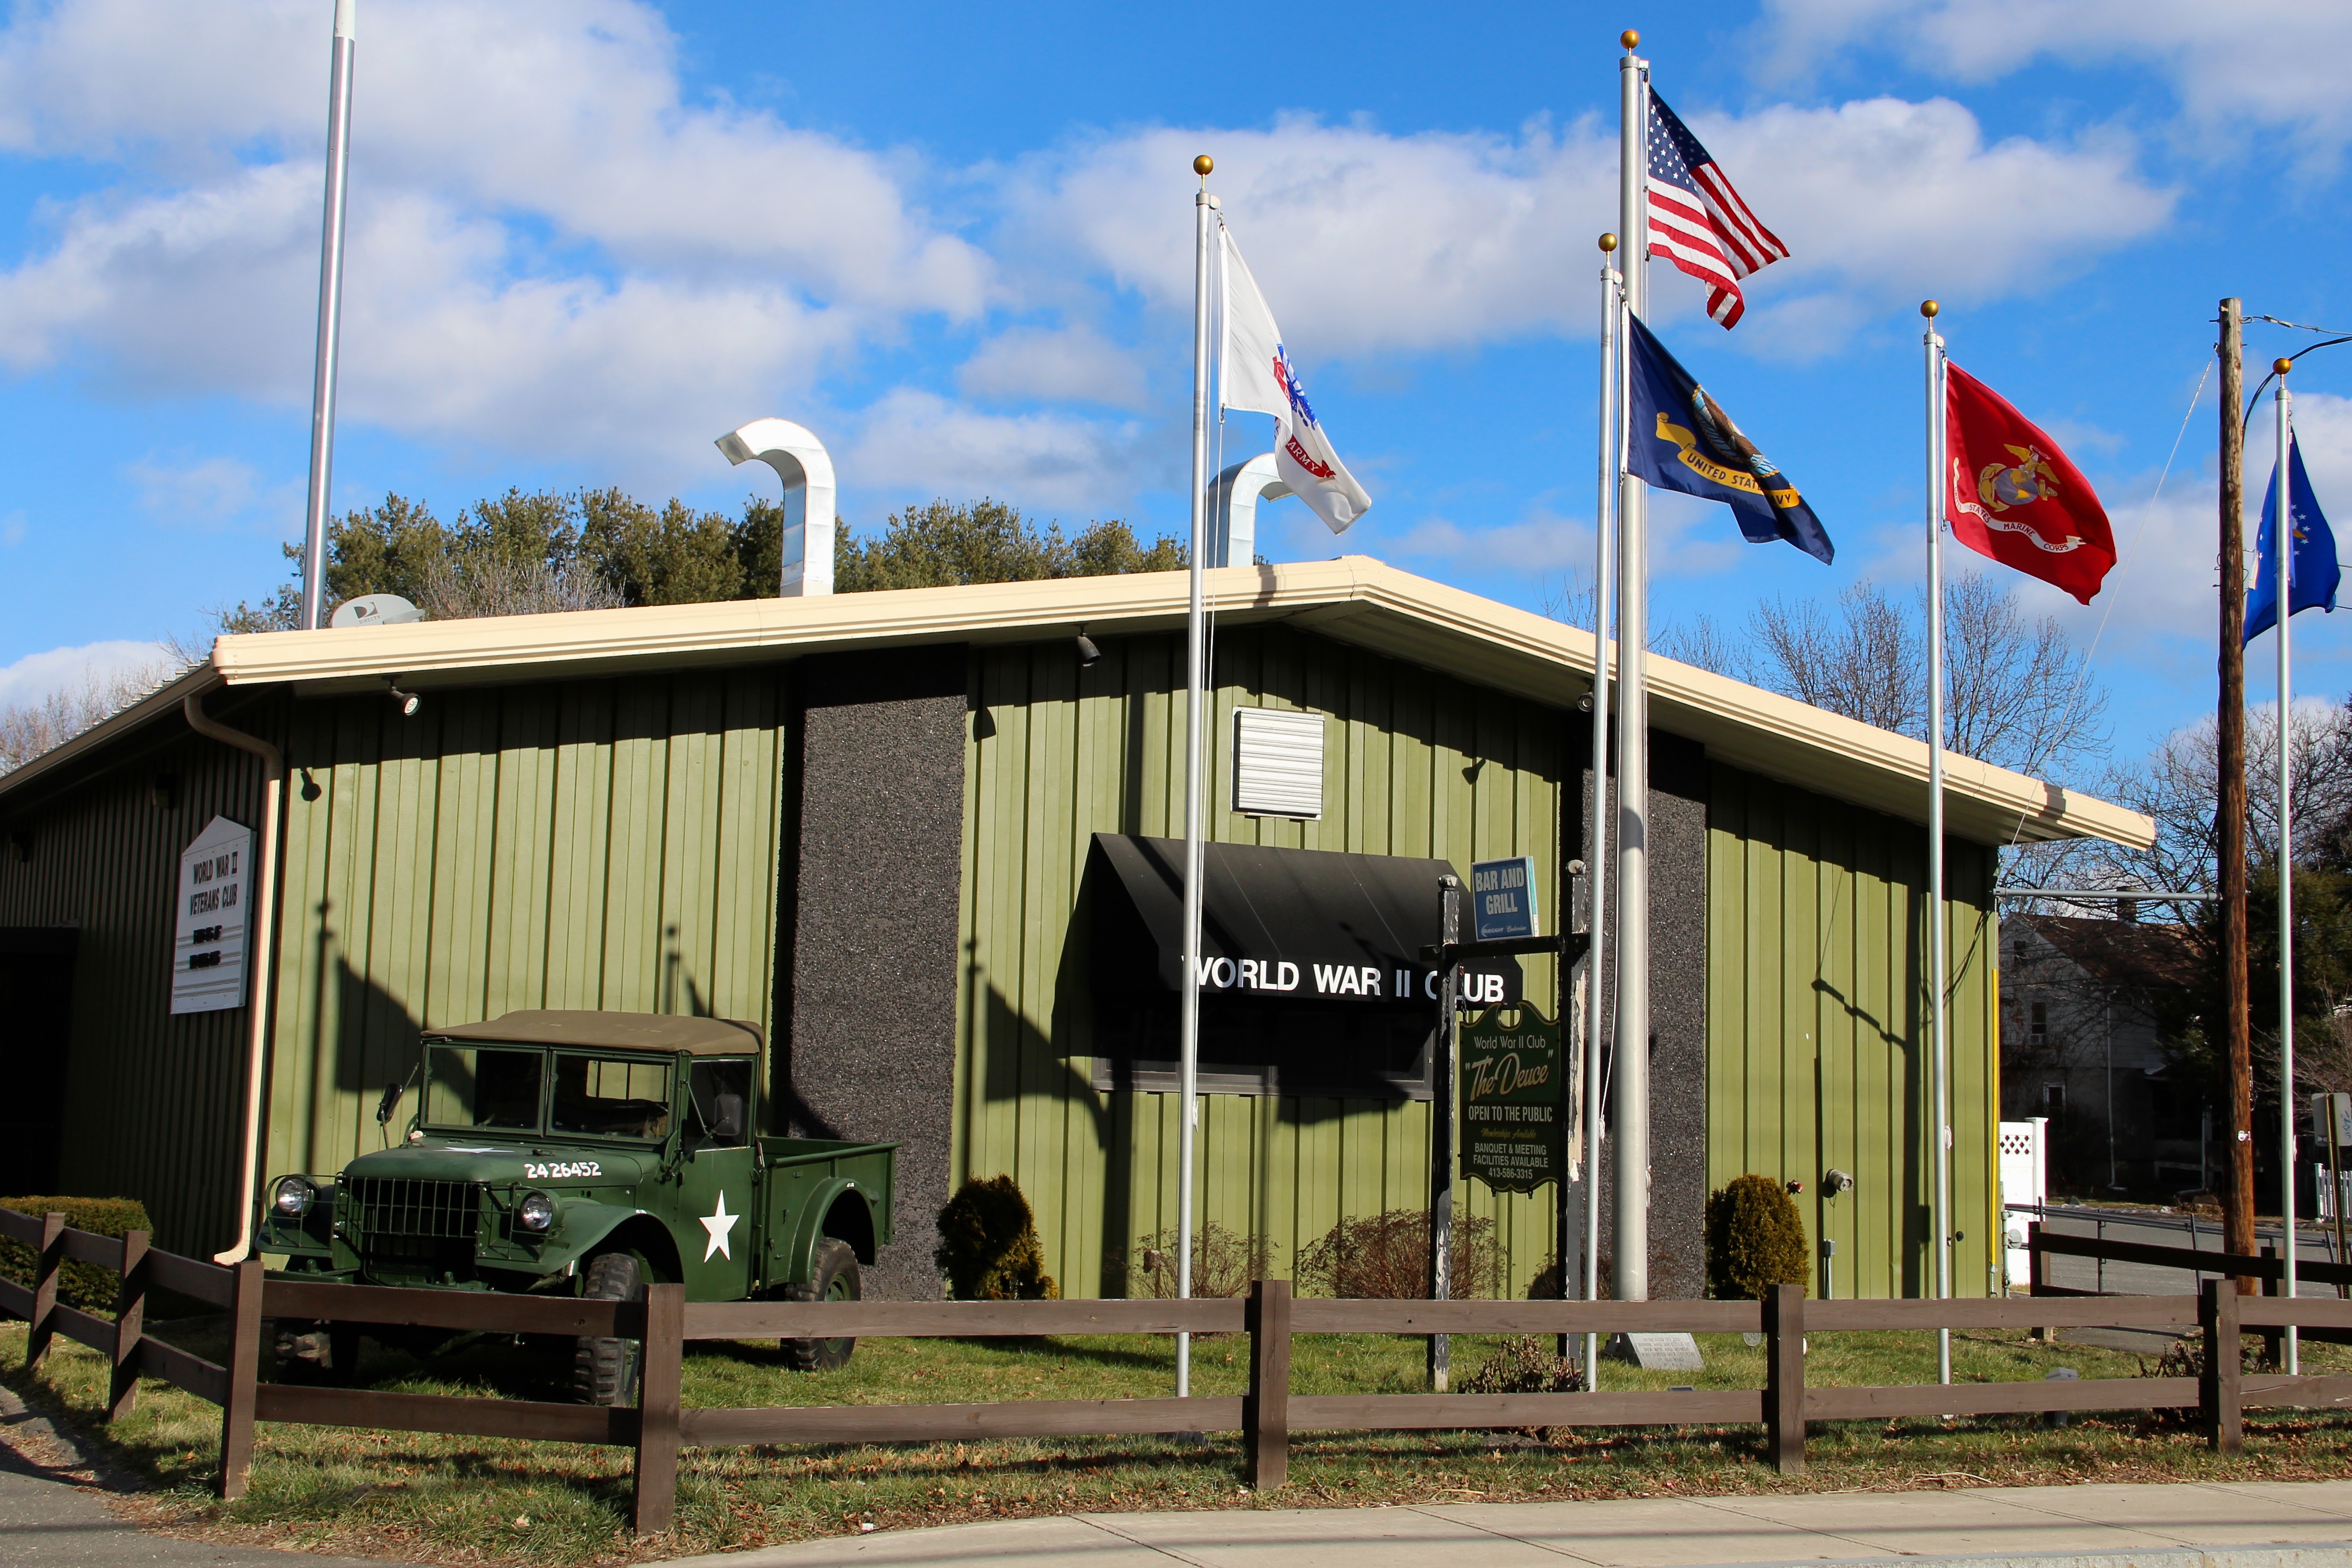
1265 1415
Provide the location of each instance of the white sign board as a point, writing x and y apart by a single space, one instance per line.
208 940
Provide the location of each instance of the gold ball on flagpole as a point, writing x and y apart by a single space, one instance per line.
1608 244
1202 164
1630 38
1928 308
2283 366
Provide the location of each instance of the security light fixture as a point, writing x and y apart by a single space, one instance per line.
1835 1181
406 702
1088 653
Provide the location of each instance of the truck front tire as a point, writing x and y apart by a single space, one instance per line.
604 1371
833 1277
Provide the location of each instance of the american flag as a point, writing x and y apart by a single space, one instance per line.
1697 221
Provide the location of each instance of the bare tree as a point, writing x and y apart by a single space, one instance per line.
28 729
458 588
2020 695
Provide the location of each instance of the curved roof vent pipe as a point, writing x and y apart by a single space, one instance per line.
1233 510
802 461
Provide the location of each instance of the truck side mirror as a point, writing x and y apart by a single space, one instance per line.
727 1118
389 1104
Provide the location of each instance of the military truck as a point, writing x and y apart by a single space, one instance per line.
585 1153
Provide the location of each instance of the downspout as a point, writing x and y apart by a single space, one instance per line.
258 962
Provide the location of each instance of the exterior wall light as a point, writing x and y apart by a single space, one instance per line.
406 702
1088 654
1835 1181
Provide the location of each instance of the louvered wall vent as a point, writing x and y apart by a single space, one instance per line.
1278 763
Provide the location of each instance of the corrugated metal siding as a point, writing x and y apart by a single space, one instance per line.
1415 764
153 1102
1817 1019
589 844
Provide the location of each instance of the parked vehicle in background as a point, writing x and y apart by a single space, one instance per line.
585 1153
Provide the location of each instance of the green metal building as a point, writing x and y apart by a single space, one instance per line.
901 830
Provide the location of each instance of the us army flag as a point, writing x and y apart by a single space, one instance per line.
1254 374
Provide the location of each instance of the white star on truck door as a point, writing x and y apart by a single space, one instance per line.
719 1223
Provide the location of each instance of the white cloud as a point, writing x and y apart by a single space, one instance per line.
200 490
2271 62
919 444
1072 365
38 676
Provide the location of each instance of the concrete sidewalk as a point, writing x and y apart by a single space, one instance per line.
2252 1524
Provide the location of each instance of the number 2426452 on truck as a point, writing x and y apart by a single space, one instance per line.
587 1154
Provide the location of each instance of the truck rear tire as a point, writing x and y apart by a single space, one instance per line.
604 1371
833 1277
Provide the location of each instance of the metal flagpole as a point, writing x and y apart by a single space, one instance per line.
1188 1027
330 320
2282 581
1938 960
1596 832
1631 1169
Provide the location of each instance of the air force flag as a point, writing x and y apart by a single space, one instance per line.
1678 438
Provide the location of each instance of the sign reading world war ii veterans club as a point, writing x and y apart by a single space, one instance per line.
208 936
1512 1135
1502 898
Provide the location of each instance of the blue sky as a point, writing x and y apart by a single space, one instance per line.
587 239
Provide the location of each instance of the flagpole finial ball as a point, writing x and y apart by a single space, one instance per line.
1608 244
2283 366
1928 308
1202 164
1630 38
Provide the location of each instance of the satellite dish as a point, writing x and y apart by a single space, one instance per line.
374 609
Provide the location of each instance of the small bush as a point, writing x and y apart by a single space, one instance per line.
1385 1257
1754 1241
1223 1262
83 1285
987 1244
1526 1364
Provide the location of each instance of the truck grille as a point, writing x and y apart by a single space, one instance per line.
395 1205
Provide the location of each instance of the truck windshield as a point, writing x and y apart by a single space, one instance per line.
611 1096
483 1086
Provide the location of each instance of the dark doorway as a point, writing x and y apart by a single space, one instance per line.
36 965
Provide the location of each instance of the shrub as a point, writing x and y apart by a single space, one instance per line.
1754 1240
1385 1257
1525 1364
1223 1262
83 1285
987 1244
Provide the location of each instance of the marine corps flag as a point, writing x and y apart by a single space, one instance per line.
1678 438
2012 496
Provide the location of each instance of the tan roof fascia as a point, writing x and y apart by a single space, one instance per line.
1353 598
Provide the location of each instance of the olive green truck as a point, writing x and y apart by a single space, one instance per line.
585 1153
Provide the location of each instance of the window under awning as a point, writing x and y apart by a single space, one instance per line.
1276 923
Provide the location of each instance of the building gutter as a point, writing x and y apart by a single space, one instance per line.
260 949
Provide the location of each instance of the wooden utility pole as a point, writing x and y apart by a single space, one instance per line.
2229 820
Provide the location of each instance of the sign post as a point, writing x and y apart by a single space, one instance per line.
1513 1069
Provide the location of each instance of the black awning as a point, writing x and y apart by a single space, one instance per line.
1278 924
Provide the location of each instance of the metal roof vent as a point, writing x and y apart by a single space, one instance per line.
1278 763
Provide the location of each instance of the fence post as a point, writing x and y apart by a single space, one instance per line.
45 1290
2034 1271
130 1322
1265 1409
1784 1381
244 1372
2218 1389
653 1504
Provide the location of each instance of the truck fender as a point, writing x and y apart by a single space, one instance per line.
792 1258
592 1227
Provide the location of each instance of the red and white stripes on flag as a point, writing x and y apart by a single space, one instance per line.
1697 221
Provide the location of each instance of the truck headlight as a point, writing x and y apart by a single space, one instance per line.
536 1212
291 1196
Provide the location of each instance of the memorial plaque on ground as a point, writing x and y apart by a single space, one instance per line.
1511 1077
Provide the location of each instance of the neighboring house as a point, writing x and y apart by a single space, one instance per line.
2082 1009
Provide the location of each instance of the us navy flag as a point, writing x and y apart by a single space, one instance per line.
1678 438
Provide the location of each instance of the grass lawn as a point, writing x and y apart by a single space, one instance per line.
470 1499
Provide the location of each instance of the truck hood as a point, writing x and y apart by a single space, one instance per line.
500 1163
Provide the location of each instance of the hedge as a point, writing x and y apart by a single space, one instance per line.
83 1285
